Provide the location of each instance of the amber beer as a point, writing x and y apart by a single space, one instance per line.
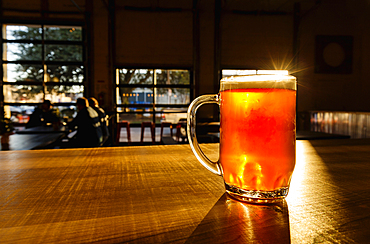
257 136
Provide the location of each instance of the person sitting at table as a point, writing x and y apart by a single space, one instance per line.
87 122
44 115
103 117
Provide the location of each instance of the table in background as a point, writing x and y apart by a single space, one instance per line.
33 141
39 137
161 194
43 130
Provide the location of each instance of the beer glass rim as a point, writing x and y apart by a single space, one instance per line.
259 81
258 77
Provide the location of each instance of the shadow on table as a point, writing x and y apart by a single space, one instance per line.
230 221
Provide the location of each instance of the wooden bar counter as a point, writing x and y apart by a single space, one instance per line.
161 194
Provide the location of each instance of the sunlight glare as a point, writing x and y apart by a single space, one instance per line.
272 72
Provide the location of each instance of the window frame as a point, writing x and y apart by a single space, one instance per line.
156 109
43 62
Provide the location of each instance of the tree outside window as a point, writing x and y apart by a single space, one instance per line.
41 62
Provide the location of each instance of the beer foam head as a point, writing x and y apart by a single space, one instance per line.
258 81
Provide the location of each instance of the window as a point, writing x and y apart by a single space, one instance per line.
155 95
41 62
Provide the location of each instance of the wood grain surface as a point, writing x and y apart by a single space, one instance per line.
161 194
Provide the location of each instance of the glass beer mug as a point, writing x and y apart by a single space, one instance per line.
257 135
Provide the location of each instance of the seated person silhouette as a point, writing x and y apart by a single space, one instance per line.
87 122
103 117
44 115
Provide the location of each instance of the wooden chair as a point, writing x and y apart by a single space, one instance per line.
166 124
152 130
118 134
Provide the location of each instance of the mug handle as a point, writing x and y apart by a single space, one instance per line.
214 167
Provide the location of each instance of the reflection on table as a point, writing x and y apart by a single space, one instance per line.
161 194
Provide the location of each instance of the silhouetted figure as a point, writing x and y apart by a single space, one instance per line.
87 121
44 115
103 117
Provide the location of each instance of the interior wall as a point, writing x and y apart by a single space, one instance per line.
153 38
206 48
257 41
35 9
101 64
335 91
206 55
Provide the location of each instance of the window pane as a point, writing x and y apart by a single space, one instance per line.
22 32
172 77
133 109
22 72
22 51
65 73
172 95
135 76
67 112
134 95
63 53
63 33
134 118
142 115
173 115
20 114
63 94
21 93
